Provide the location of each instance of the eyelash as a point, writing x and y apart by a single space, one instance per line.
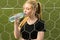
26 8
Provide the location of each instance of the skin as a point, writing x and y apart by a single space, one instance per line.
30 12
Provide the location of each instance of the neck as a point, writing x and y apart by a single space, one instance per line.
32 17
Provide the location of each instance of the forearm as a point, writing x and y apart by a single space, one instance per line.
16 30
16 33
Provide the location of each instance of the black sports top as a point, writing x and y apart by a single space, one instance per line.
30 31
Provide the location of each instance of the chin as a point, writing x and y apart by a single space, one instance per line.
26 15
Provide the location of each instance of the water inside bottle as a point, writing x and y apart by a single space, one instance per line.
19 15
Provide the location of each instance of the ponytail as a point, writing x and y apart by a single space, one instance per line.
22 22
38 11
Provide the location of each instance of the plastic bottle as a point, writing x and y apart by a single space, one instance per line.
19 15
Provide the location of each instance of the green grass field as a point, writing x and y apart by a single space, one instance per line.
51 16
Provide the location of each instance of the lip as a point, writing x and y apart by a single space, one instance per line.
25 14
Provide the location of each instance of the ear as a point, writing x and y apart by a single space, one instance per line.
34 10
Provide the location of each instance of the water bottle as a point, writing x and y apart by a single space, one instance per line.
19 15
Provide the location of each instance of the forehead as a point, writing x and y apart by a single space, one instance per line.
27 5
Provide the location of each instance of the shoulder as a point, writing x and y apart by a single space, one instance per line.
40 22
40 25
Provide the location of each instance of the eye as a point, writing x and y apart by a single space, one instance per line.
27 8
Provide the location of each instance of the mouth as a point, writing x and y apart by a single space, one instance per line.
25 13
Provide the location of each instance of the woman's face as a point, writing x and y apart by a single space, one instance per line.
27 9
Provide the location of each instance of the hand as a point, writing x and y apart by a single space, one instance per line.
17 20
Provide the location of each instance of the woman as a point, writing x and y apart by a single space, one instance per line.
33 26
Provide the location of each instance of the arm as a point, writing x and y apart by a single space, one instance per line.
40 35
16 30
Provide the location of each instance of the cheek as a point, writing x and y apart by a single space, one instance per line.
28 12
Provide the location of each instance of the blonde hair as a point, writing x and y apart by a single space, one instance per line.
38 13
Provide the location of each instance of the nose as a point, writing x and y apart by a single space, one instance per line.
24 10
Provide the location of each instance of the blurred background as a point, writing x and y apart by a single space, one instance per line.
51 16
